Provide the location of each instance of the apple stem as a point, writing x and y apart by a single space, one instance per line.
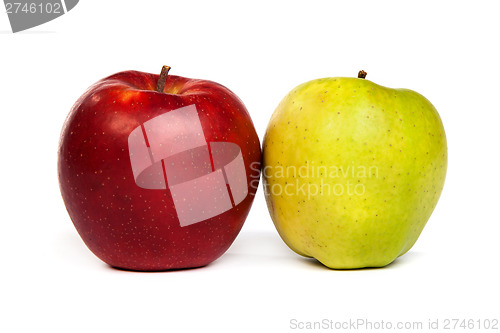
361 74
163 78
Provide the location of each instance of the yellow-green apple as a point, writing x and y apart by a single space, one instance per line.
158 172
353 170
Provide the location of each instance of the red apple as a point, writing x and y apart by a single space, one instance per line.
158 172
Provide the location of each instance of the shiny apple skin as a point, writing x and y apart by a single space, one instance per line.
123 224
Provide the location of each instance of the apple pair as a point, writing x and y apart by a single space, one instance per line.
159 172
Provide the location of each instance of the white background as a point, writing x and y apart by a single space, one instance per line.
447 51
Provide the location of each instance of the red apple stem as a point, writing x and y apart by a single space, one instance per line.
160 87
362 74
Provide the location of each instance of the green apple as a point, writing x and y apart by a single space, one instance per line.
353 170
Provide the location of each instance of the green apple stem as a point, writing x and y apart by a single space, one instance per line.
163 78
361 74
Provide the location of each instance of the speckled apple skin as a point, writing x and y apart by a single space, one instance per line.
395 134
127 226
